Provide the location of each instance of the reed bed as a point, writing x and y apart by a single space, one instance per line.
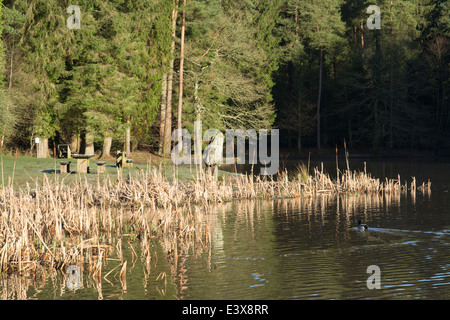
248 214
50 225
150 187
53 226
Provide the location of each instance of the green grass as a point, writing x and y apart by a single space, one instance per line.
31 169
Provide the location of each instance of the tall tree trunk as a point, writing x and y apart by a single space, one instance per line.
391 89
128 138
376 131
82 147
163 114
168 122
197 127
89 143
391 104
180 91
350 134
318 101
377 75
42 148
362 34
75 143
299 125
299 103
11 66
107 142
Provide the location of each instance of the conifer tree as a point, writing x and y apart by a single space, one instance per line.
380 81
13 28
45 45
309 64
115 80
166 143
5 104
322 29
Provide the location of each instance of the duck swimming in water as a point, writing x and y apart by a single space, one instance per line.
362 226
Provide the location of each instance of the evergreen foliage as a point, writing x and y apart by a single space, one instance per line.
310 68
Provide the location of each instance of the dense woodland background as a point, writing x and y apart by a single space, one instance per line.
138 69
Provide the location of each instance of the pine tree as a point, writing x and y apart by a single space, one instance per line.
166 143
150 41
5 103
163 43
114 80
17 98
307 64
322 29
84 89
381 83
290 89
13 20
181 75
45 45
434 72
266 21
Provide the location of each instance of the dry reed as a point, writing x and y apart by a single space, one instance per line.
51 225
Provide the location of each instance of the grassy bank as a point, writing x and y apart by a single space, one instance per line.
22 170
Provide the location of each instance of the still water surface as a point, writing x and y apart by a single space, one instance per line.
295 249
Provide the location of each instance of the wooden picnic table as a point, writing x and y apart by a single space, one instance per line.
82 162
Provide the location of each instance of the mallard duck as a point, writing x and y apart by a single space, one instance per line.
362 226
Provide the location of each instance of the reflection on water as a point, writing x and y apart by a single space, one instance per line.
283 249
310 248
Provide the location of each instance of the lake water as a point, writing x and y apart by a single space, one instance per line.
293 249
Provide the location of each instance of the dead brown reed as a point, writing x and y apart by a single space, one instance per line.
51 224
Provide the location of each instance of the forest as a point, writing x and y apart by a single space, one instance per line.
135 70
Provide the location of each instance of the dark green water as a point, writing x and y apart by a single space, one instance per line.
295 249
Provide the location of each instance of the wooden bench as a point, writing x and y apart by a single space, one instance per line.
123 161
101 165
65 166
